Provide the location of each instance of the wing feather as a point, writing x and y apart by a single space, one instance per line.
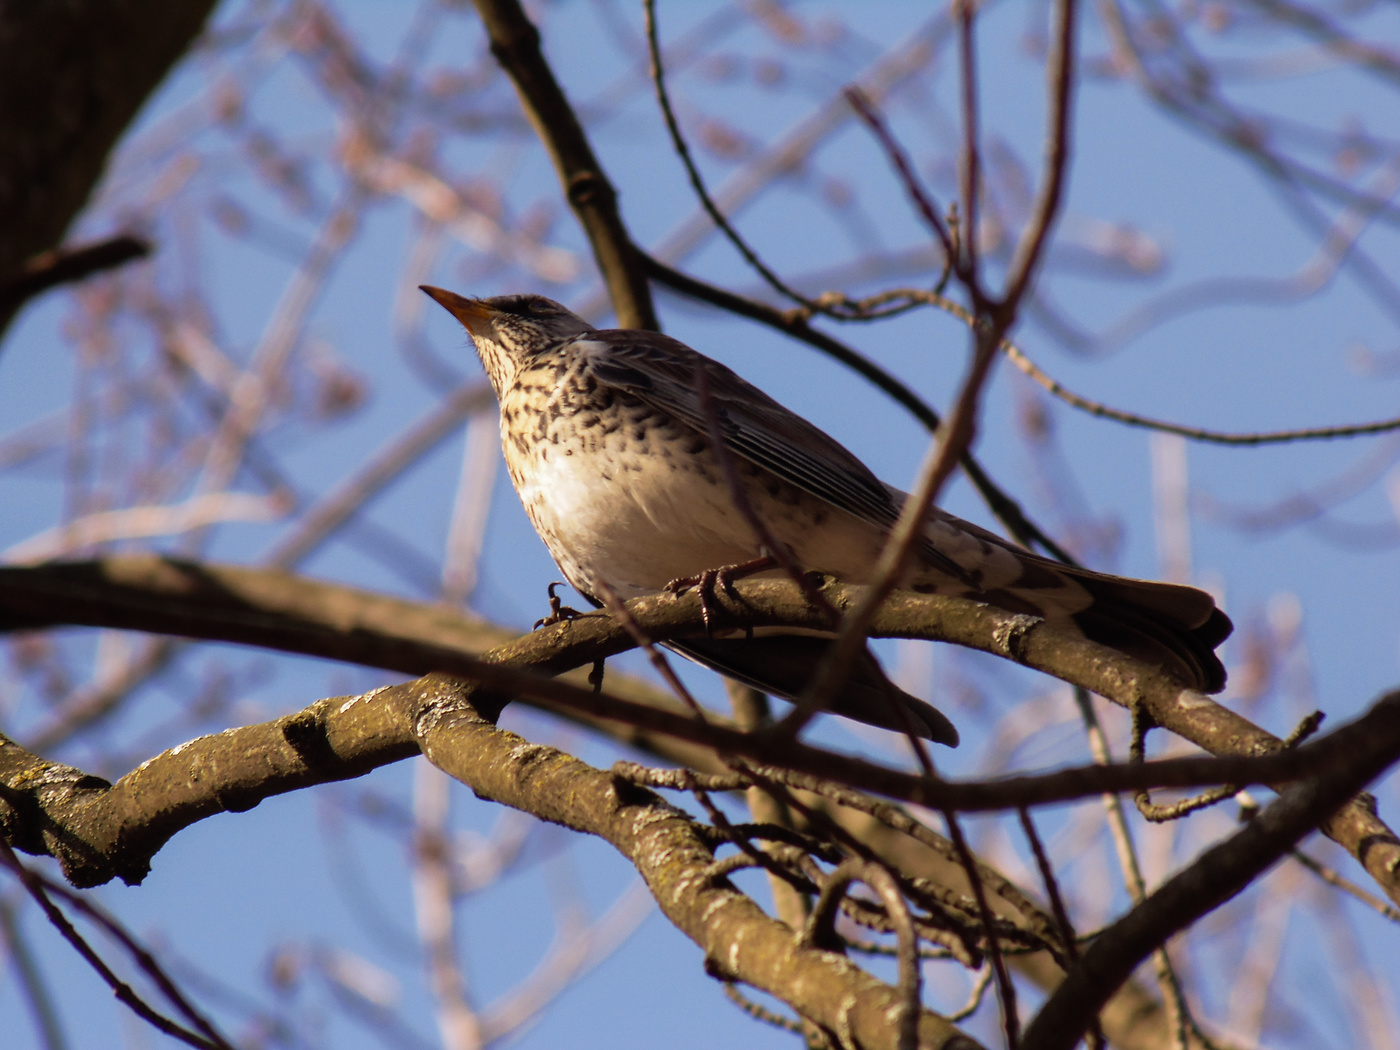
663 373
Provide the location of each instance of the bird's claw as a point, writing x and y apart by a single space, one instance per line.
704 584
558 611
707 585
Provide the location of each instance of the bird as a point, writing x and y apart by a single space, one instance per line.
607 438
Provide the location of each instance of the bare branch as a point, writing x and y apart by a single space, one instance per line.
1018 357
516 44
206 1038
697 183
1208 882
1006 988
923 203
740 942
30 979
969 159
1060 73
302 615
66 265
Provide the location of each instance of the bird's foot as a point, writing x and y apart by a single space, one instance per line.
708 583
558 611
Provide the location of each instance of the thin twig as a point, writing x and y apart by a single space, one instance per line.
1060 73
757 1012
697 182
1216 437
923 203
1158 814
1006 990
975 997
878 877
1052 885
769 808
30 979
1332 878
1058 910
1305 728
615 605
819 932
39 888
969 163
739 836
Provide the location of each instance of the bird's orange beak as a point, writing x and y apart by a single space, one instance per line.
470 312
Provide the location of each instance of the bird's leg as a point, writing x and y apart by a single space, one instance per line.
706 582
558 611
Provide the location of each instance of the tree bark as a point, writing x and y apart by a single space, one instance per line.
73 75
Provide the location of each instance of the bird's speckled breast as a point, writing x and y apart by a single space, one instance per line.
623 493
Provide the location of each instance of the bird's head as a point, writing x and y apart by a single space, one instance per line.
510 330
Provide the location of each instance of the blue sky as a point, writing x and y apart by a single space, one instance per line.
221 892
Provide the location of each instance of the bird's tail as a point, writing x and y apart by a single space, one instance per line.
1164 624
1168 624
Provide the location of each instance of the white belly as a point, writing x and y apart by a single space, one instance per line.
638 522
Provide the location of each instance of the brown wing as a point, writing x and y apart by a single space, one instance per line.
662 372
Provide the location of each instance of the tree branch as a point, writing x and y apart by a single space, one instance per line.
516 44
1216 876
87 823
259 607
64 265
73 74
740 942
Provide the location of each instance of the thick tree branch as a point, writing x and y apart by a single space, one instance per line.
73 74
99 831
291 613
740 942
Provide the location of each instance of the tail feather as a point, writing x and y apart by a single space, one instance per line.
1169 624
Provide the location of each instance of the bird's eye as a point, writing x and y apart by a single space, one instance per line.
540 306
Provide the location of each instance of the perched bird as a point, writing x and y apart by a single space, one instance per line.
609 449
